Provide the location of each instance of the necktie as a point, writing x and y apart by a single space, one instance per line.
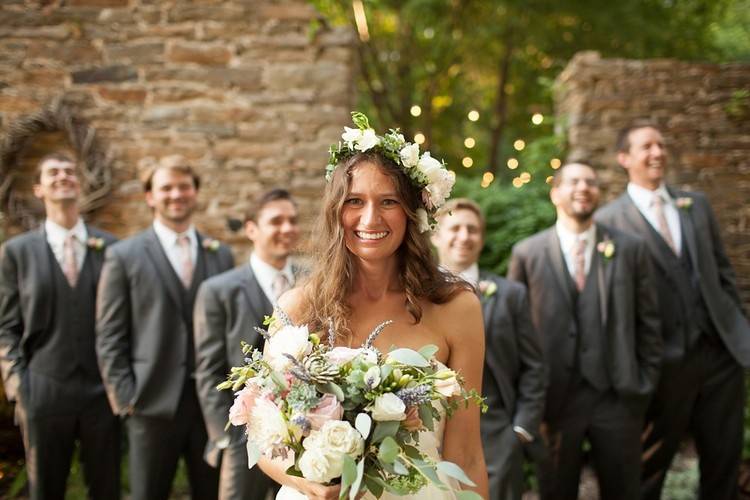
70 262
658 203
280 285
579 256
186 260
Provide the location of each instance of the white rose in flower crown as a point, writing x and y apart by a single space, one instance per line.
368 140
409 155
292 340
447 383
423 219
440 186
319 465
428 165
350 136
388 407
267 427
340 436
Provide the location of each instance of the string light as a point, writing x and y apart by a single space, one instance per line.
555 163
419 138
517 183
469 142
537 118
467 162
473 115
519 145
512 163
415 110
549 179
525 177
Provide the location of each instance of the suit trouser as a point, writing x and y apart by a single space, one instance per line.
49 441
236 482
156 445
612 426
504 456
704 395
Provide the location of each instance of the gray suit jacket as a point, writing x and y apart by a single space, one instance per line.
515 375
27 297
628 311
142 329
227 308
700 234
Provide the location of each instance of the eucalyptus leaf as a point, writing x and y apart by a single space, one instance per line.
348 476
331 388
278 379
253 454
428 470
375 485
363 423
408 357
389 450
358 481
400 468
468 495
454 471
425 414
429 351
383 430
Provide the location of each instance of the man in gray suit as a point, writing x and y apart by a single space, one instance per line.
514 372
48 281
706 334
593 302
227 308
145 334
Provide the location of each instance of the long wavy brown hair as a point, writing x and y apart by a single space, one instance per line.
329 285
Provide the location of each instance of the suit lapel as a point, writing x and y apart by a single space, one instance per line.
96 255
641 226
559 269
156 253
488 303
256 297
209 258
688 234
43 260
604 270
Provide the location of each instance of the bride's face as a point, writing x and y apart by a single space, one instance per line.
373 215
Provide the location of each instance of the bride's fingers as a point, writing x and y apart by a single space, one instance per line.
320 492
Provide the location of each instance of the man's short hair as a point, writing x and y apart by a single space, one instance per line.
177 163
266 198
59 155
558 175
462 204
623 136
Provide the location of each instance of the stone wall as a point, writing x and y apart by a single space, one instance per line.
703 111
253 91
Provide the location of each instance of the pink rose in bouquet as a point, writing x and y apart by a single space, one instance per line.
244 401
329 408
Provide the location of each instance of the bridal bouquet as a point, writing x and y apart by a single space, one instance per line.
345 415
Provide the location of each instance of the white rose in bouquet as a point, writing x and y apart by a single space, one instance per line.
292 340
267 427
320 466
447 384
340 436
388 406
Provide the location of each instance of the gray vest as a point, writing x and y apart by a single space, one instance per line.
68 343
592 347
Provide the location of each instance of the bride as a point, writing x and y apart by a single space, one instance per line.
373 264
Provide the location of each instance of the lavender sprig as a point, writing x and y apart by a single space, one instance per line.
377 331
282 316
412 396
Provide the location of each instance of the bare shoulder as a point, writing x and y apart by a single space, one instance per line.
292 303
460 314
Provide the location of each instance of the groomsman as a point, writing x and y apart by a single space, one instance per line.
514 372
48 281
145 334
227 308
594 303
707 336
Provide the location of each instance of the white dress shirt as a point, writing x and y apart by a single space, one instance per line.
266 274
168 239
471 274
643 200
568 242
56 235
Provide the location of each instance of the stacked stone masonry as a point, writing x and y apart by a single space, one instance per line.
704 112
252 91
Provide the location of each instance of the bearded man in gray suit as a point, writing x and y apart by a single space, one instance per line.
593 302
145 334
227 309
706 334
514 372
48 280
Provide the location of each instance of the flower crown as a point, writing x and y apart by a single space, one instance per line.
429 175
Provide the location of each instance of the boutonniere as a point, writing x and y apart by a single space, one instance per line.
684 202
487 288
606 248
211 244
97 244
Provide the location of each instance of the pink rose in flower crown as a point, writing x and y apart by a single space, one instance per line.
242 408
327 409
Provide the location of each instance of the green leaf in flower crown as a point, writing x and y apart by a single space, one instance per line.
468 495
357 482
408 357
331 388
253 454
363 423
454 471
389 450
360 120
348 476
429 351
384 429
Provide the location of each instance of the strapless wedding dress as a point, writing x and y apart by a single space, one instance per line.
430 444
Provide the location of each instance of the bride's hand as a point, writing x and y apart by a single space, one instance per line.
316 491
